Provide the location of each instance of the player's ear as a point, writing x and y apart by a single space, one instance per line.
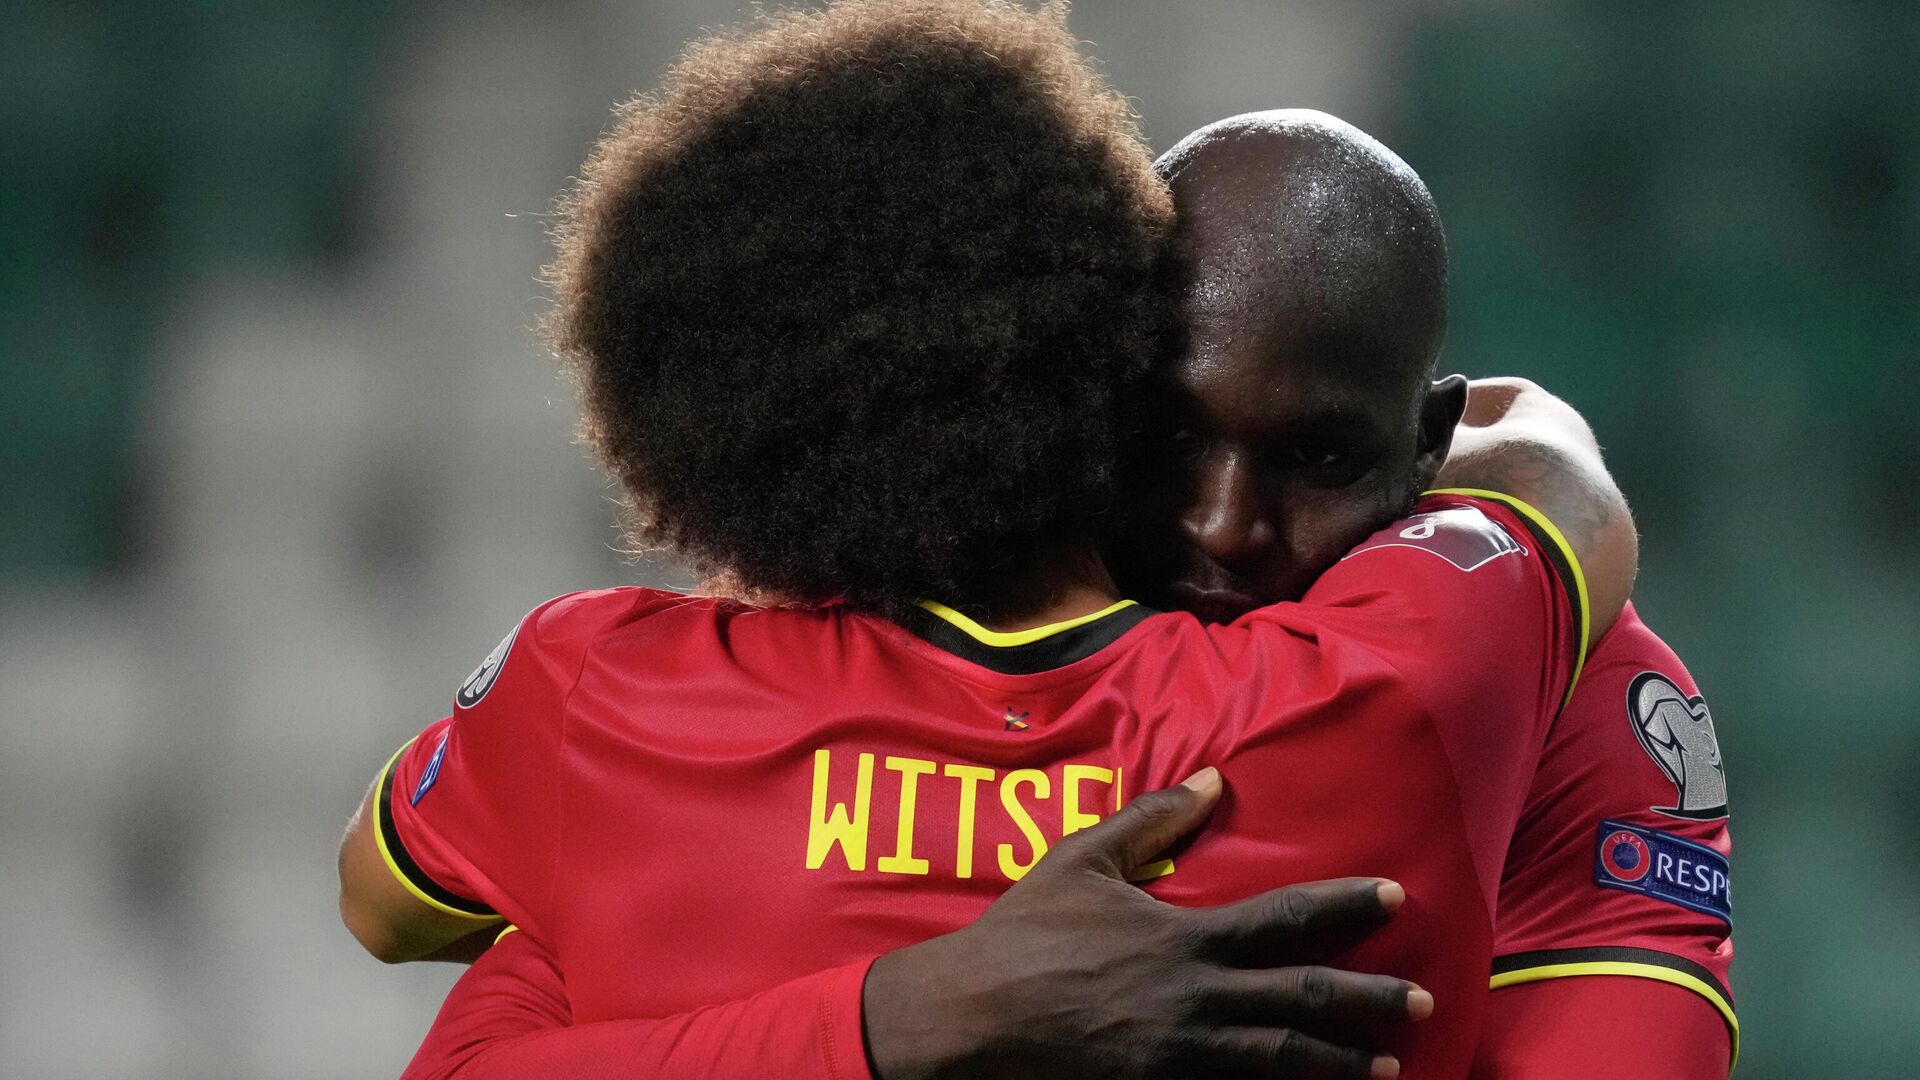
1440 412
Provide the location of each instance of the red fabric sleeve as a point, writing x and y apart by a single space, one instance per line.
1617 754
469 809
1635 749
508 1019
1479 607
1619 1027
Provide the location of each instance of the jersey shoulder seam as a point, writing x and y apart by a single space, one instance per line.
1565 564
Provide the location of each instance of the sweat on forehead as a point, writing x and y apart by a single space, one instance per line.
1300 222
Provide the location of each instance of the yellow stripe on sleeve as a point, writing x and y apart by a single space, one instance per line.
1559 539
1632 970
382 791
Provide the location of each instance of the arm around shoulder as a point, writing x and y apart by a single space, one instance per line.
1519 440
383 915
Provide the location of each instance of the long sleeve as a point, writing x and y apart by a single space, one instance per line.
508 1019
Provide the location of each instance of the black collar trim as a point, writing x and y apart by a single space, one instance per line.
1054 649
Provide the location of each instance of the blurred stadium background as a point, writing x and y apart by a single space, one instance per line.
280 459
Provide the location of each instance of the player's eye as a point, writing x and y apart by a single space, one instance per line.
1186 442
1315 457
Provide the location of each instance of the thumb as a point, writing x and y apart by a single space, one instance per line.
1120 845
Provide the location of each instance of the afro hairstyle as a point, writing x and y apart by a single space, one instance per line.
862 302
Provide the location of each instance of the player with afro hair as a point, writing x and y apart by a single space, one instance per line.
863 304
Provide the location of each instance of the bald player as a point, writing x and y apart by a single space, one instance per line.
1317 305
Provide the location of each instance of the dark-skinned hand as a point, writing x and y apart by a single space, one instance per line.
1076 972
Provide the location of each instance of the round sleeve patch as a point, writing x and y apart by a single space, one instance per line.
486 674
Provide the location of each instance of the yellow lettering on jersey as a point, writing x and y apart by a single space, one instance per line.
1072 818
970 777
825 830
1023 794
902 860
1010 798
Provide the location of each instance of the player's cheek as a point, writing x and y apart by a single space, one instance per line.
1338 523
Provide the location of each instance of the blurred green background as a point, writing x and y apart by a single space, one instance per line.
279 457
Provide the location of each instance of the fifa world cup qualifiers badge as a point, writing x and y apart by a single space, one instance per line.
1677 732
486 674
1634 858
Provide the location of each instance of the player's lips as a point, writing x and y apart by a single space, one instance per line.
1212 603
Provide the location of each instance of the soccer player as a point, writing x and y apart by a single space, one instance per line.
1592 941
677 794
1614 910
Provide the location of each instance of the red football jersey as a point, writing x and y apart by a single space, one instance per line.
691 801
1664 963
1620 864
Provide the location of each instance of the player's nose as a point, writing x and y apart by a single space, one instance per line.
1226 520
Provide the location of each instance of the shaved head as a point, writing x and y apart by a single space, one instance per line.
1301 226
1316 305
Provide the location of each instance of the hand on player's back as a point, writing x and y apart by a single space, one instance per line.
1075 972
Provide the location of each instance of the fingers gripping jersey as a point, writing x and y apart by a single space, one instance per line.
1620 863
691 802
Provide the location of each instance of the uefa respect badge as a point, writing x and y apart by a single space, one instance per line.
1652 862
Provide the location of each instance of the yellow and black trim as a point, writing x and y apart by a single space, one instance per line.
394 853
1023 652
1530 967
1566 565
